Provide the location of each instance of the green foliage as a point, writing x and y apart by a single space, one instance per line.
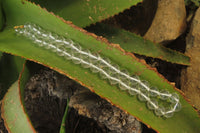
136 44
96 12
19 12
85 12
63 126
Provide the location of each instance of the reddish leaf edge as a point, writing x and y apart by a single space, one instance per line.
19 90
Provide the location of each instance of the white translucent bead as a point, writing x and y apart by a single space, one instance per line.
143 96
85 64
33 37
94 69
48 46
169 112
174 98
68 43
113 81
108 70
124 77
122 87
153 92
18 31
52 47
94 58
102 64
134 85
116 67
106 60
152 105
42 44
164 94
39 42
33 27
135 78
177 106
27 33
67 54
68 57
27 25
103 75
60 50
159 111
42 33
142 88
76 60
85 57
77 56
168 115
132 91
52 36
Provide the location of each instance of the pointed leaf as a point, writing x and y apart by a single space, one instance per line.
19 45
85 12
13 112
136 44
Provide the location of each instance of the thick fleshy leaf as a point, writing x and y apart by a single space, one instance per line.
20 13
136 44
10 67
13 108
128 41
85 12
13 113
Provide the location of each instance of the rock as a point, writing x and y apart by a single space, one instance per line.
190 77
46 95
90 105
169 21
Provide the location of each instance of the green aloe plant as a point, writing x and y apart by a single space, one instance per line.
114 72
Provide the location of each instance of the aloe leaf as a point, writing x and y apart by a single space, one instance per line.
13 113
127 40
85 12
19 13
10 67
63 126
13 107
136 44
